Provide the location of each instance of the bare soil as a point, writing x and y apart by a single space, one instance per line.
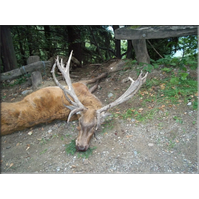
158 145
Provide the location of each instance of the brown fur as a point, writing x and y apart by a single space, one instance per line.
44 105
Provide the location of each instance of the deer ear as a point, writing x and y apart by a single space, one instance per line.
79 113
103 116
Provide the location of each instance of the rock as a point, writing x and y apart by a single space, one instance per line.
189 104
150 144
36 79
110 95
32 59
49 131
132 120
85 161
26 92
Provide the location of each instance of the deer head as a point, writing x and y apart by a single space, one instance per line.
90 118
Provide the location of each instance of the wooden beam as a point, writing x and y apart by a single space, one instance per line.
154 32
13 74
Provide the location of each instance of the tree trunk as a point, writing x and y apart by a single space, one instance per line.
98 50
8 54
117 44
141 52
21 46
49 48
74 42
29 38
129 50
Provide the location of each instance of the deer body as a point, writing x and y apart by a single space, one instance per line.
44 105
64 103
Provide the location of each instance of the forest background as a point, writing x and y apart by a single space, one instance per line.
91 44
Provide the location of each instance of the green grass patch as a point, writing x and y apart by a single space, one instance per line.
108 125
71 149
178 120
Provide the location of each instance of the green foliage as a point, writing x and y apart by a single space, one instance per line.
87 153
108 125
167 70
178 119
195 104
71 147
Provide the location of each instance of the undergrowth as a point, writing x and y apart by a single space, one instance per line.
176 87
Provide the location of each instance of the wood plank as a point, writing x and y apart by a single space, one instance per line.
154 32
13 74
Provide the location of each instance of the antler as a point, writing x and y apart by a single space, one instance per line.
76 104
134 87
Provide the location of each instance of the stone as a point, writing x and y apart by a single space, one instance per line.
26 92
189 104
32 59
110 95
36 79
150 144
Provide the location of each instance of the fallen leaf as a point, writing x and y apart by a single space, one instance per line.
28 146
11 164
140 110
17 144
12 99
177 141
162 86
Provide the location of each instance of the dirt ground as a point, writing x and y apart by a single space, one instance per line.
159 145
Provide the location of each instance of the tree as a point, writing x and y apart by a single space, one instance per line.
7 50
74 42
117 44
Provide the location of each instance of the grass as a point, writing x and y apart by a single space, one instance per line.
171 144
178 120
44 151
175 88
108 125
71 150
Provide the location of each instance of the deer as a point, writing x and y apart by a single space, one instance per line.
71 102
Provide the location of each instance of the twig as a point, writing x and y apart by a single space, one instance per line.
154 48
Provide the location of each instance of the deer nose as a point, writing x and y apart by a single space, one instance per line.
81 148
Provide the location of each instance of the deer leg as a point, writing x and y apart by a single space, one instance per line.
93 88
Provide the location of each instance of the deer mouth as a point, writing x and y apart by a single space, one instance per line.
82 148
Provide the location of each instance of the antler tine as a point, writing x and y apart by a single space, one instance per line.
77 105
133 88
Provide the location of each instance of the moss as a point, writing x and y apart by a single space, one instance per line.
134 27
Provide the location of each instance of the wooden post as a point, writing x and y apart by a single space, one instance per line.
141 52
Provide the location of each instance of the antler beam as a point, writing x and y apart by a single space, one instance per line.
76 104
130 92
